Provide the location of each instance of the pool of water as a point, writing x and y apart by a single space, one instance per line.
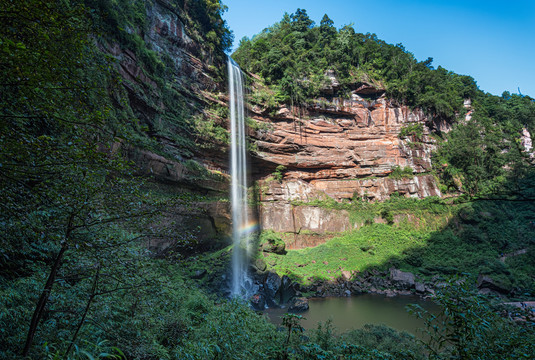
354 312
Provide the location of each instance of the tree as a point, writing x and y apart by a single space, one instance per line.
63 177
300 21
470 327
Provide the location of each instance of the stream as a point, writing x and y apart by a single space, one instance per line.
354 312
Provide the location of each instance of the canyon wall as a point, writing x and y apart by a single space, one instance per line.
169 78
363 148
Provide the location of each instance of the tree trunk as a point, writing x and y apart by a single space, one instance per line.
43 299
86 310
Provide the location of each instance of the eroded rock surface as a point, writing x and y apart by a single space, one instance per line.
341 149
345 139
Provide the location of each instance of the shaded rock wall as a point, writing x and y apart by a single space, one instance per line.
163 102
283 205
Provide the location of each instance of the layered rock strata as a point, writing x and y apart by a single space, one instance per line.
344 149
162 103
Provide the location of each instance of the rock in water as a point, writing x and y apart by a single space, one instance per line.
258 302
299 304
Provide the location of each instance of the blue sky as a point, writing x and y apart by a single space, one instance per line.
493 41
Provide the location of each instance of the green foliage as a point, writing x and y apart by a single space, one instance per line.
483 157
206 19
144 307
416 131
470 327
72 209
271 242
428 237
99 351
279 173
399 173
385 339
372 342
293 56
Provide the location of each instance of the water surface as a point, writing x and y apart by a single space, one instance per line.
354 312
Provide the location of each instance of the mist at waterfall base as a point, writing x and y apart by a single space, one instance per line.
242 227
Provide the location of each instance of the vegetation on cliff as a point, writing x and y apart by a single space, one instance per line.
430 237
76 278
74 210
294 56
480 157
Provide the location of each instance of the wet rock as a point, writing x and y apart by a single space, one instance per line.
272 284
419 287
260 265
356 288
287 289
299 305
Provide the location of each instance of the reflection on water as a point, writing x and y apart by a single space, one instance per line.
354 312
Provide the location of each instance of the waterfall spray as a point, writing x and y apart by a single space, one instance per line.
238 190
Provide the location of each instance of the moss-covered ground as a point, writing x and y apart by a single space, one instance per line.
371 247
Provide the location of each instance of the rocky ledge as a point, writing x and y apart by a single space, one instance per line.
274 291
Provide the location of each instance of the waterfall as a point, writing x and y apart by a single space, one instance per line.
238 190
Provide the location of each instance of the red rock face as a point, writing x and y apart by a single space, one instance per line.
343 150
349 148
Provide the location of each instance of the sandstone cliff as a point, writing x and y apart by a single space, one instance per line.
365 147
336 147
169 81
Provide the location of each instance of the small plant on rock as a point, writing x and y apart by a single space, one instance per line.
279 173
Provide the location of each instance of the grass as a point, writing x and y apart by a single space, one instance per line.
371 247
428 237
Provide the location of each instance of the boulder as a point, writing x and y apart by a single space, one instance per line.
402 279
486 282
419 287
272 284
287 289
273 244
299 304
260 265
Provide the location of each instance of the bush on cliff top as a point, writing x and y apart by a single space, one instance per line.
294 55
